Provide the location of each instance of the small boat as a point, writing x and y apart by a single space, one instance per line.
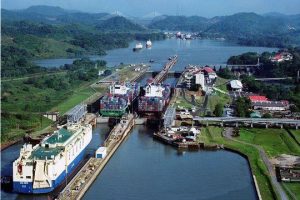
148 44
138 46
151 61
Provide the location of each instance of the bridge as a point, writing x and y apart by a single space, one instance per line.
273 79
261 121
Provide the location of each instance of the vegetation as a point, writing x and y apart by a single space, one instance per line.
275 92
275 141
296 134
268 68
24 41
218 112
243 106
217 98
245 28
294 188
225 73
23 101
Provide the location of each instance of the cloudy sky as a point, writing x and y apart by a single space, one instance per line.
206 8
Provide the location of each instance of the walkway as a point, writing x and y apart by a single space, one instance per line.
228 134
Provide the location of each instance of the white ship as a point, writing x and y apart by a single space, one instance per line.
138 46
148 44
188 36
42 168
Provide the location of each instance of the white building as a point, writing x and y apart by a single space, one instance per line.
236 85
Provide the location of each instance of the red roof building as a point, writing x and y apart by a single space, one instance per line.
258 98
208 70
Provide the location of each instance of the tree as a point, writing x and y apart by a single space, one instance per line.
267 115
218 110
243 106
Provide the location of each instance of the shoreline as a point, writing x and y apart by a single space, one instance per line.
5 145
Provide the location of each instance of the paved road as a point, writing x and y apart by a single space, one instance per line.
228 134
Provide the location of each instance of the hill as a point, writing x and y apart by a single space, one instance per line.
194 23
246 28
119 24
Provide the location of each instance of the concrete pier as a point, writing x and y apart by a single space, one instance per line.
89 172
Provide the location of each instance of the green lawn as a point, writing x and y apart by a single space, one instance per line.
221 83
294 188
296 134
274 141
180 101
76 98
216 98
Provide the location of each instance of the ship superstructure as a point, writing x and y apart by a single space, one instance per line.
156 98
120 96
43 167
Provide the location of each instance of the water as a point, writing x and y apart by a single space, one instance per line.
143 168
12 153
202 52
146 169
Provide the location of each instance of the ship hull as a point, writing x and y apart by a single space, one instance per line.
27 187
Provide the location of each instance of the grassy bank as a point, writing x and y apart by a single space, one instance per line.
274 141
296 134
22 101
213 135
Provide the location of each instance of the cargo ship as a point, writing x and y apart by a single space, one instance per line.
120 96
44 167
137 47
156 98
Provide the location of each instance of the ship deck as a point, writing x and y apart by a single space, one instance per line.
59 137
43 153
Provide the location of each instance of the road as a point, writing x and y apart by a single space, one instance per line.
228 134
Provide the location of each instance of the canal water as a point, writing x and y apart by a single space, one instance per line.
146 169
143 168
202 52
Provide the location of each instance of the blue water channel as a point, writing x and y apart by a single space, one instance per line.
146 169
202 52
143 168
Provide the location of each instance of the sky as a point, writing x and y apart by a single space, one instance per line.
142 8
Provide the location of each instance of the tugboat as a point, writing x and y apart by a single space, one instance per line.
137 47
148 44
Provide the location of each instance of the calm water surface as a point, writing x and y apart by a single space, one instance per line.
203 52
146 169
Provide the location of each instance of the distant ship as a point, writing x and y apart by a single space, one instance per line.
138 46
120 96
45 166
188 36
148 44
